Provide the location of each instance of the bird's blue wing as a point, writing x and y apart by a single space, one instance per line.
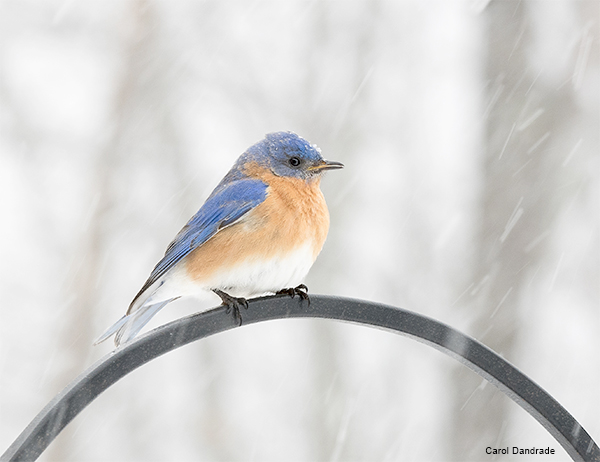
227 204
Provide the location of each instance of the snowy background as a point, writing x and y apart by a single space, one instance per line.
470 135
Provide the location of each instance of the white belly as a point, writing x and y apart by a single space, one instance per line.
255 276
248 278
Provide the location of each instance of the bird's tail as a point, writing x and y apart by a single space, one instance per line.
129 325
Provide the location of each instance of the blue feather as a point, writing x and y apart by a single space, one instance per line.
227 204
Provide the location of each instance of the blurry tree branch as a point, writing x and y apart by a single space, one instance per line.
524 122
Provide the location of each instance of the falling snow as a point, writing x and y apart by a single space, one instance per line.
470 194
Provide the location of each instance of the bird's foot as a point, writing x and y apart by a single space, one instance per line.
233 304
301 291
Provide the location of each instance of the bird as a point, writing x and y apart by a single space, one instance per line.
258 232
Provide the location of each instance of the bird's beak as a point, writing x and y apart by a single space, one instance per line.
326 165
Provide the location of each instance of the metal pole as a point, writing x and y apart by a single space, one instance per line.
517 386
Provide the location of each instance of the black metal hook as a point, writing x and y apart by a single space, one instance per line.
489 365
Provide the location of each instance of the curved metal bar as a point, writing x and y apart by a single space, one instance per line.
85 388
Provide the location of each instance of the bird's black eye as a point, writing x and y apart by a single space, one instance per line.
294 161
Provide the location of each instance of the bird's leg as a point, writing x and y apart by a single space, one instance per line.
233 304
301 291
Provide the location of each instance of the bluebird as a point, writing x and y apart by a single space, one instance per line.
258 232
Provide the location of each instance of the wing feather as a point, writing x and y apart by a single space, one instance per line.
226 205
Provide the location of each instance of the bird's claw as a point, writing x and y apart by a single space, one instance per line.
233 304
301 291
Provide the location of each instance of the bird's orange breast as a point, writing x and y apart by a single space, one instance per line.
294 214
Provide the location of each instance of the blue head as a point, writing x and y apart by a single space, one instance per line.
286 154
